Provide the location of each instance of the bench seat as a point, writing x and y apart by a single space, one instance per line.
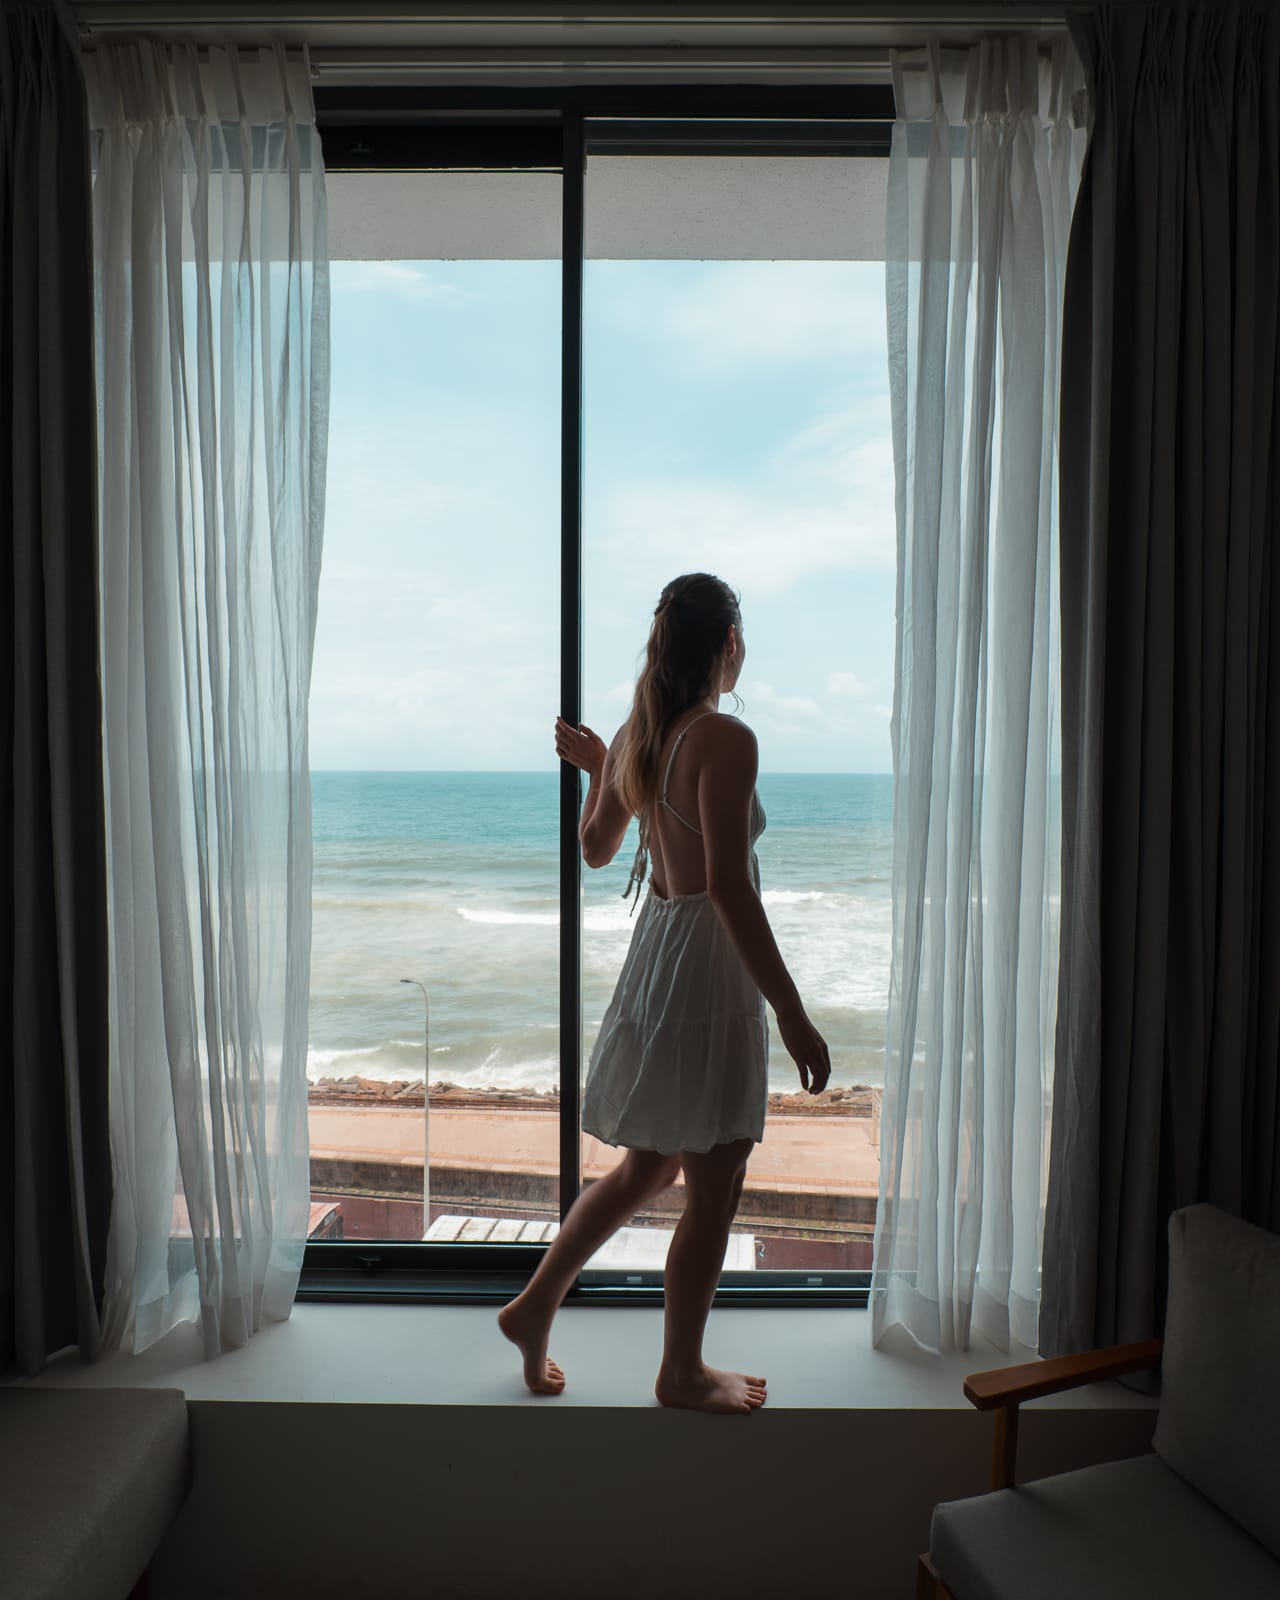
90 1481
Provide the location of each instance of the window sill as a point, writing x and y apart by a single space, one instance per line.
454 1355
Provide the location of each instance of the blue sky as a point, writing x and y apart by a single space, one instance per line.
736 420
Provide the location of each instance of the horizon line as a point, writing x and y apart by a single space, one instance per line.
545 772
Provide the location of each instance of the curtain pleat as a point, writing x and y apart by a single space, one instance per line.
1168 1045
982 176
55 1159
212 302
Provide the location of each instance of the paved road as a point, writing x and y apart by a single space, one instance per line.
805 1154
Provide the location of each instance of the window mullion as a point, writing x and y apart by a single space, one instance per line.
571 656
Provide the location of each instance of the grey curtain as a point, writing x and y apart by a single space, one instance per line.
55 1161
1168 1039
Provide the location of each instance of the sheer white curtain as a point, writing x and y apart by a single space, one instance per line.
982 177
211 279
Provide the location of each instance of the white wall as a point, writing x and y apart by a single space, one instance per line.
638 208
354 1500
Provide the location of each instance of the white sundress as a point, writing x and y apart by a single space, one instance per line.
681 1061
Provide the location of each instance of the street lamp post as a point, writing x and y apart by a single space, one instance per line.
426 1131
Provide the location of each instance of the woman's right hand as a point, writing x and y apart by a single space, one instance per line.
807 1048
582 746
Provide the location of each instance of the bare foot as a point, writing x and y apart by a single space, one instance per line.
712 1390
530 1330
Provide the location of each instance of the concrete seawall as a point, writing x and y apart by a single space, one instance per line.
809 1196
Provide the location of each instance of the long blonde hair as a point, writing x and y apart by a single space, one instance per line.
690 624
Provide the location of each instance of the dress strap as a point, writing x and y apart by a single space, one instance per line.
641 860
639 864
666 782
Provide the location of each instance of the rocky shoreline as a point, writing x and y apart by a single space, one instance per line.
859 1100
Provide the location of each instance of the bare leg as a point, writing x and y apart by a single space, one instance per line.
713 1183
595 1216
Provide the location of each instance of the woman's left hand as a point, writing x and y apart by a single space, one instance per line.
581 746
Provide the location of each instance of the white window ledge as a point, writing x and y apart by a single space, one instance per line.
813 1358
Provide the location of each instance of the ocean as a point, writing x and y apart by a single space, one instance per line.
450 878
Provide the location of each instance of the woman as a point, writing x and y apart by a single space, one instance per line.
678 1073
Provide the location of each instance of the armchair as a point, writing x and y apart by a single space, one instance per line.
1197 1516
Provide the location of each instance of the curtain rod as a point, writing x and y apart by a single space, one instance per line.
604 58
550 61
115 15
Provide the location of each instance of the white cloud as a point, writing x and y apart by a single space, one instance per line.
733 315
401 278
785 705
824 502
849 449
415 718
846 686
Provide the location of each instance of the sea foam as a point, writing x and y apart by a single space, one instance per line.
496 918
452 880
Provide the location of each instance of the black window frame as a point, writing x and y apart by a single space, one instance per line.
505 128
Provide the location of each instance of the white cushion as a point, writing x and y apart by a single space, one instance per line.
90 1480
1124 1530
1219 1422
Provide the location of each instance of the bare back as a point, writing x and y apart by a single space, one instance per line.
675 846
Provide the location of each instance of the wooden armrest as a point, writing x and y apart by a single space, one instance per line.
1003 1390
1010 1386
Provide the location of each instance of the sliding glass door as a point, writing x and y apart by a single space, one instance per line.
436 896
558 383
736 421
